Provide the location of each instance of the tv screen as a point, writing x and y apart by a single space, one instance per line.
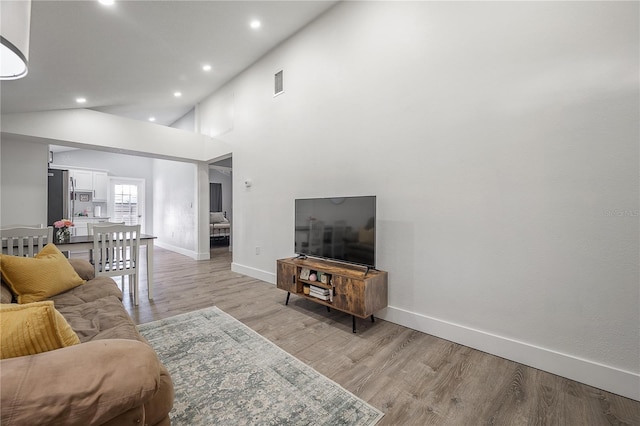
341 228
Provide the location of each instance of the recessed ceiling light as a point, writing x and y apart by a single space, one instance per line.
255 24
152 119
177 94
106 2
81 100
206 67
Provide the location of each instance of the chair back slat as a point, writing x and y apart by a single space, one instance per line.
117 248
116 251
25 241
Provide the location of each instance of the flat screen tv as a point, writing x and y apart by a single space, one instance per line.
340 228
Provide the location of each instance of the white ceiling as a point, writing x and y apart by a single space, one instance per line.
129 59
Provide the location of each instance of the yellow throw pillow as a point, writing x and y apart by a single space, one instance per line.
37 278
33 328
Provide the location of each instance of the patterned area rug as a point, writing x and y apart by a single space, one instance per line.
225 373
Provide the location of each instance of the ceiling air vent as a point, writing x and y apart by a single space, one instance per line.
279 83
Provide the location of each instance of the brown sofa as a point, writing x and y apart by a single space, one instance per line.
113 377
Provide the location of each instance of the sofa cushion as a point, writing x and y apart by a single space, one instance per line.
37 278
104 318
83 268
95 289
33 328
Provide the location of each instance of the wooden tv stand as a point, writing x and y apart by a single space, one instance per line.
353 289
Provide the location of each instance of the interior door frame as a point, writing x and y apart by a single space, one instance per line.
142 201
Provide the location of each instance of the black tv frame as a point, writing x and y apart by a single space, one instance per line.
339 200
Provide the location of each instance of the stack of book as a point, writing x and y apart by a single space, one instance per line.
319 292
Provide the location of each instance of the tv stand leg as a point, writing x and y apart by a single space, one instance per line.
288 294
372 318
353 320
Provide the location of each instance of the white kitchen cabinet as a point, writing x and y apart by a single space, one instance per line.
91 181
82 179
100 186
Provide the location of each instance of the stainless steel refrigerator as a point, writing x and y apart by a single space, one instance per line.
58 196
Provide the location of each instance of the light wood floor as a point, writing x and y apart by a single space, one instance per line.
414 378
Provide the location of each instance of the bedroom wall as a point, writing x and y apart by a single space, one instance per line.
501 142
223 178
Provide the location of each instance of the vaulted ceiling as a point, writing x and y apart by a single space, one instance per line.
131 58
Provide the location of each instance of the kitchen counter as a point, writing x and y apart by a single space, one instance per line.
80 223
92 217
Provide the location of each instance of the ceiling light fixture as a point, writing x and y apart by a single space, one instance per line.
107 2
152 119
81 100
14 39
177 94
206 67
255 24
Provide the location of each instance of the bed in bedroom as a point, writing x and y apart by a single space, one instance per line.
219 226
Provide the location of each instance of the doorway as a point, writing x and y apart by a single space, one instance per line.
221 200
126 201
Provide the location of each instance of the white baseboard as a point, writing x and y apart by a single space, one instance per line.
203 256
604 377
259 274
601 376
190 253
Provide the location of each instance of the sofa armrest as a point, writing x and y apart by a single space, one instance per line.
83 268
89 383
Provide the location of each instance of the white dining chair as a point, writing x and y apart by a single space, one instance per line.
116 250
25 241
90 226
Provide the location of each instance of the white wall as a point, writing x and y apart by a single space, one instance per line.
186 122
77 128
23 179
501 140
175 206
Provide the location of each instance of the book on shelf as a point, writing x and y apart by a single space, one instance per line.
320 290
320 296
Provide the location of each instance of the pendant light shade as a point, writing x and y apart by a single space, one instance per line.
15 22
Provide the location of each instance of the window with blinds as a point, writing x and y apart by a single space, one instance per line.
125 204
